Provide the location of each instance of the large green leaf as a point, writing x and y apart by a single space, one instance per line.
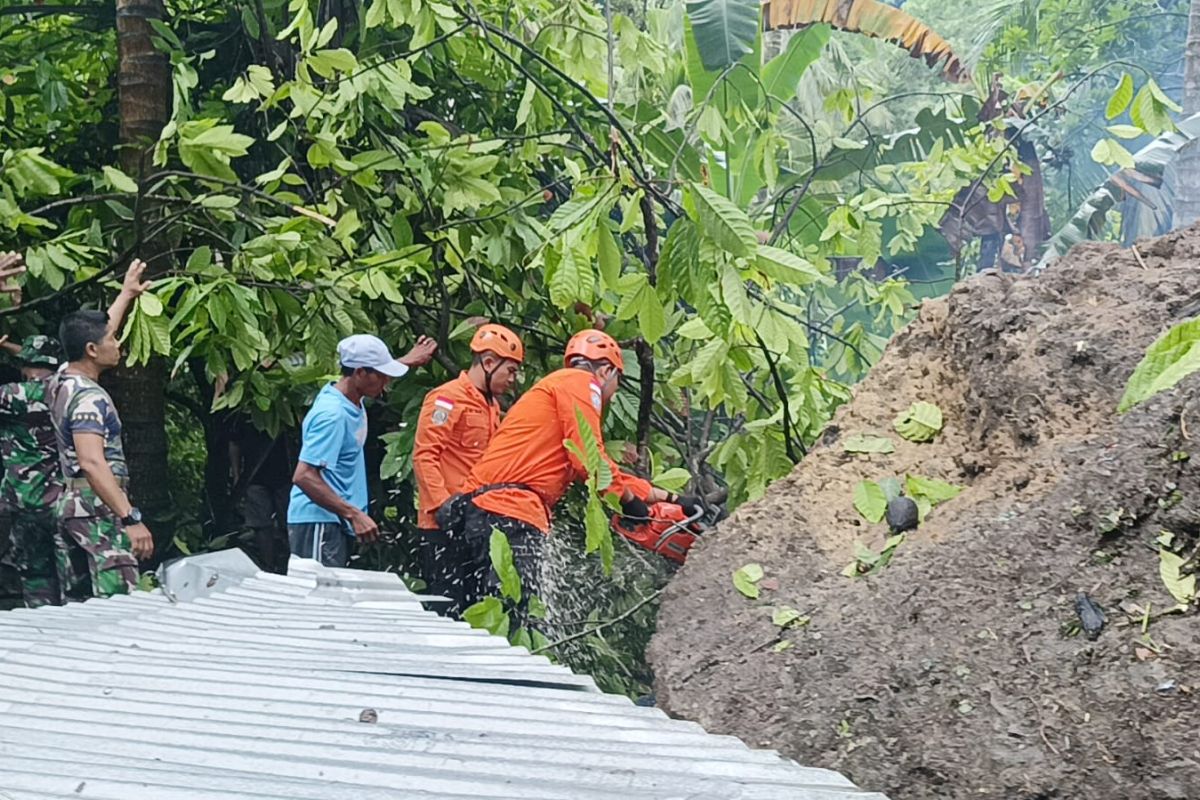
501 555
723 222
724 30
782 74
786 267
1181 585
489 615
870 500
920 423
746 578
1172 357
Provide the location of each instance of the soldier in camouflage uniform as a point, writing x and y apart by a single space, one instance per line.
101 534
32 481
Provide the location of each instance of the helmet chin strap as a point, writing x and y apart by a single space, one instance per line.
487 382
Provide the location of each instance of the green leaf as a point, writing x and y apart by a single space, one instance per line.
651 319
1125 131
1171 358
328 63
932 489
870 501
779 647
1182 587
1148 112
746 578
1110 151
863 443
119 180
597 467
598 532
723 222
673 480
220 201
501 555
733 293
786 267
786 616
1121 98
782 74
1161 97
724 30
608 255
920 423
489 615
150 305
566 281
526 104
537 608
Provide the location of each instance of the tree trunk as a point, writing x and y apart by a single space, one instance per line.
1187 166
144 85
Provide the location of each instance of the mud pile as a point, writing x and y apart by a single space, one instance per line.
959 670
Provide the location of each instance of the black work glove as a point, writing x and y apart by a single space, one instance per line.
690 504
634 511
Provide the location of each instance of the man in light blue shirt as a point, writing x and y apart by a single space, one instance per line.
328 504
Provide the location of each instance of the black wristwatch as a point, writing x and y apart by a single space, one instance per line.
134 517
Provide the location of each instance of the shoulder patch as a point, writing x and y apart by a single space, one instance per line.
597 396
441 410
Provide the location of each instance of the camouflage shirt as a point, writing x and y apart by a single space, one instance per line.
80 405
32 480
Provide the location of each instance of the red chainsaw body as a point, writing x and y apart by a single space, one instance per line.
668 531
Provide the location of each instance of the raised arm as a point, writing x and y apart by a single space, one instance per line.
132 287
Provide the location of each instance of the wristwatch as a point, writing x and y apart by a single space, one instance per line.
134 517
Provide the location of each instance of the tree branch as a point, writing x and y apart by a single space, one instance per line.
609 623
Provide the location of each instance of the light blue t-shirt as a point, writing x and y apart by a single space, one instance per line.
332 440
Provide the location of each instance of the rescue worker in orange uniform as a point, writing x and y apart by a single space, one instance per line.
526 468
457 421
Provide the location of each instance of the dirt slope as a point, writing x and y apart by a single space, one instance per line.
958 671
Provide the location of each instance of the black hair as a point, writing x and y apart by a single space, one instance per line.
79 329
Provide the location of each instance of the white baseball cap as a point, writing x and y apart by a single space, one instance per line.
365 350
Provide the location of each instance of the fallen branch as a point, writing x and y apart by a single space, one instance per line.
583 634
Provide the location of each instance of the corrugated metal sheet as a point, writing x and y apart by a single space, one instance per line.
237 684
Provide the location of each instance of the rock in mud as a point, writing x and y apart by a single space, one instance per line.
902 515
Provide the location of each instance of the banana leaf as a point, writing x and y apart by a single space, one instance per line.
870 18
1144 186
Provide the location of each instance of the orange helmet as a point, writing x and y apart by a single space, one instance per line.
594 345
500 340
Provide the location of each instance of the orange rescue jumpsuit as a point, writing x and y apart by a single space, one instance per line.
453 430
528 449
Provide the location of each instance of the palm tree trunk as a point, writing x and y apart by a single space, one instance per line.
144 84
1187 167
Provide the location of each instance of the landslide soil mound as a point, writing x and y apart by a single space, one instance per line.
959 671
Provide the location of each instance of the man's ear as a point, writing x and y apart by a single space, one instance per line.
90 349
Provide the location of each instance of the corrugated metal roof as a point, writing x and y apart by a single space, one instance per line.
238 684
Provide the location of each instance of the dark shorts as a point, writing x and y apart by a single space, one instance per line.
326 542
480 580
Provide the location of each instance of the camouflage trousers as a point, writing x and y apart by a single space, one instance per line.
33 554
94 558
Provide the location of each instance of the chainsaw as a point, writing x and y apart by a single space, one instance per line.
668 530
